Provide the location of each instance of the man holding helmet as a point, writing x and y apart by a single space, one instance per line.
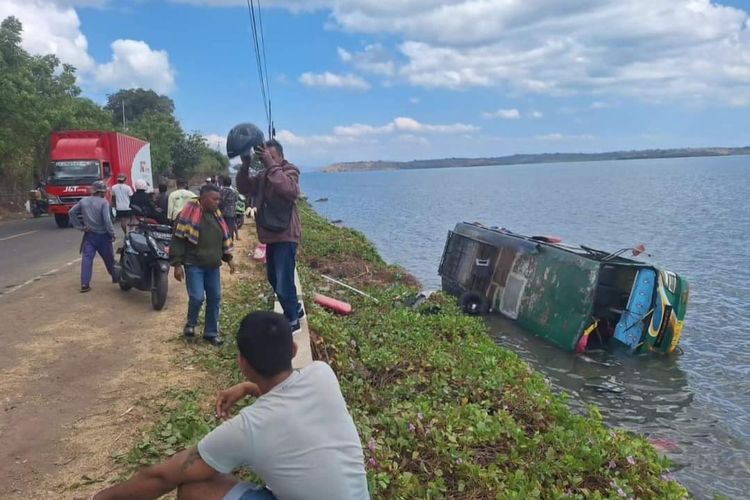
92 216
275 190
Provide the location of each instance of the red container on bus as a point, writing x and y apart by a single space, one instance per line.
80 157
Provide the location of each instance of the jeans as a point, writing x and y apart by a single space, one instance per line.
248 491
280 262
93 243
204 283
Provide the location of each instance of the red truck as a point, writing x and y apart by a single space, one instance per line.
80 157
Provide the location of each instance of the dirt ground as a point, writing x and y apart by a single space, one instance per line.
82 375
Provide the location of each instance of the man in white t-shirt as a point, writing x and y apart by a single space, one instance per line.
298 436
121 194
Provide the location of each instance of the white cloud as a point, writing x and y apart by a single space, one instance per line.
344 55
135 64
50 28
505 114
414 100
557 136
216 142
599 105
536 114
402 124
683 50
402 128
328 79
53 27
359 141
373 59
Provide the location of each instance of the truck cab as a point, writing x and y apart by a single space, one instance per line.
80 157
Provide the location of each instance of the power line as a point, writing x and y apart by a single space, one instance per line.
259 47
271 131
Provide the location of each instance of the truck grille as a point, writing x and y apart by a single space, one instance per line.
71 199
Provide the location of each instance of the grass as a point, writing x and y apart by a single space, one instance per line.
442 411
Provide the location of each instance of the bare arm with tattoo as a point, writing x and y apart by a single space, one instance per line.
186 466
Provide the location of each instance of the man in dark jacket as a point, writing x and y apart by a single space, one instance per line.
276 190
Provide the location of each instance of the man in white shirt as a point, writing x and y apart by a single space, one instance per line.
121 194
298 436
178 199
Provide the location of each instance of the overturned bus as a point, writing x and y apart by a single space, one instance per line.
576 297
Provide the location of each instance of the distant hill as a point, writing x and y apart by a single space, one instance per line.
520 159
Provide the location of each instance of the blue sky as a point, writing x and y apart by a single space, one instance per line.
399 79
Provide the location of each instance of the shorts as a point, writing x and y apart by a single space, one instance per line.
248 491
123 214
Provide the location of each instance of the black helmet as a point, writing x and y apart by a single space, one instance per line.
242 138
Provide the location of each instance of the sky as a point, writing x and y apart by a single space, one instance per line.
418 79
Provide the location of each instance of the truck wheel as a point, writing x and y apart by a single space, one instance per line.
159 289
62 220
473 303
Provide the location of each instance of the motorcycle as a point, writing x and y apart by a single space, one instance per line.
144 259
38 201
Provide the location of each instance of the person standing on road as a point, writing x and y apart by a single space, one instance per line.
276 190
200 243
178 199
92 216
228 205
121 194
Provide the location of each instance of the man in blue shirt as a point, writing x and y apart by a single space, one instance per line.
92 216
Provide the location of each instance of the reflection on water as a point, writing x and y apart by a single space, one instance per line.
692 214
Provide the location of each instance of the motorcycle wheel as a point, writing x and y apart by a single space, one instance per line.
36 212
159 289
124 286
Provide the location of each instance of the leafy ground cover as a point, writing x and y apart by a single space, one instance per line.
442 411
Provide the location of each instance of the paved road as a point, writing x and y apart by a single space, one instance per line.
32 247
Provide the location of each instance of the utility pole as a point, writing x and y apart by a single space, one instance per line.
123 113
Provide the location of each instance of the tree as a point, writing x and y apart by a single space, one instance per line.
212 162
137 102
37 95
164 133
187 154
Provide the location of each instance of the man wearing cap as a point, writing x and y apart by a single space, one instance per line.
91 215
121 194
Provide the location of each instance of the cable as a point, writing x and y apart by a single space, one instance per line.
271 128
256 49
259 46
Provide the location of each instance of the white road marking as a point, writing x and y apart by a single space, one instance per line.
37 278
17 235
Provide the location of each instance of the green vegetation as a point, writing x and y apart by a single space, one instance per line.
442 411
39 95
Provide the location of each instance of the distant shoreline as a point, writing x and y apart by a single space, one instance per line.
527 159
